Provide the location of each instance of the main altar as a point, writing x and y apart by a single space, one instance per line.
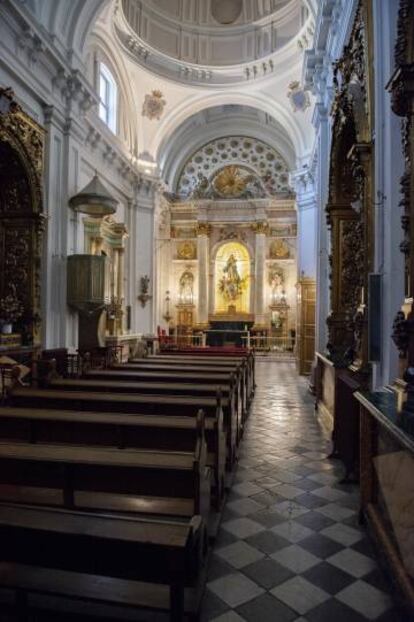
228 267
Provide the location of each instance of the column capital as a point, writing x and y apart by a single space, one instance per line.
260 227
203 228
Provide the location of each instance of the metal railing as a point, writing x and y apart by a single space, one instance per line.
271 345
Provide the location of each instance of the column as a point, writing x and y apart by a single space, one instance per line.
322 242
260 259
203 263
144 254
121 286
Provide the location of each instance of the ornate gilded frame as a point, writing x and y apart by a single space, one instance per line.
349 209
22 221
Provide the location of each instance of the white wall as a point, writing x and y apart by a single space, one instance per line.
389 167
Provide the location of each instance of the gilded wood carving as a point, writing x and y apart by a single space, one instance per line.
401 86
21 217
349 208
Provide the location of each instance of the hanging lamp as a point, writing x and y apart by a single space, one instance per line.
94 200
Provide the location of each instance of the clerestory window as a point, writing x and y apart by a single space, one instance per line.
108 93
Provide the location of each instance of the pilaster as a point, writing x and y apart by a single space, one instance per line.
203 232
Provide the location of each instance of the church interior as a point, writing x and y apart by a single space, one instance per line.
206 310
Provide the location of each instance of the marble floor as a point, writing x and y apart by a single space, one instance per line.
290 547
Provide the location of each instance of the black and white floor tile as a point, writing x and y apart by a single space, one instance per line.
290 547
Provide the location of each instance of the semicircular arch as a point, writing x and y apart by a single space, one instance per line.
202 102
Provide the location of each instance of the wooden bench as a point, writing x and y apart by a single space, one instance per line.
181 405
136 563
183 383
124 431
228 391
239 371
138 481
164 362
246 362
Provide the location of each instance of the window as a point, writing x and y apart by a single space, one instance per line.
108 94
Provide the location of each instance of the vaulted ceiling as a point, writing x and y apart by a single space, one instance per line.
215 32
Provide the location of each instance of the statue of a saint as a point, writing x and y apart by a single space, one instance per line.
186 288
231 284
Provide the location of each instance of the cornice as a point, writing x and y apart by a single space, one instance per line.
34 47
332 29
205 75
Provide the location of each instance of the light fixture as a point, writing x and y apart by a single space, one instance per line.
94 200
144 295
167 316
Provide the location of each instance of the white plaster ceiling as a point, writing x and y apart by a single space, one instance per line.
215 32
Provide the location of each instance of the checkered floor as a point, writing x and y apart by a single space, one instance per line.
290 547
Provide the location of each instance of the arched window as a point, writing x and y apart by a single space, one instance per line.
108 93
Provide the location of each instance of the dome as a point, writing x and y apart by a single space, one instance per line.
215 32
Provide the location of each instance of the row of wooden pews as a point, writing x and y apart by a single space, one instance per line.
117 477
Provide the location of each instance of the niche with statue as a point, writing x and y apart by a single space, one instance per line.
185 306
279 308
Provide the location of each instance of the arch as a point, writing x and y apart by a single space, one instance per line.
204 101
71 22
217 122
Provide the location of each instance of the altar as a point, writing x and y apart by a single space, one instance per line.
226 333
229 267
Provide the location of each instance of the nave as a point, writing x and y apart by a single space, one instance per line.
290 547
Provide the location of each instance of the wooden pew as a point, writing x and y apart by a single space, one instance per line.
96 478
124 431
233 409
175 366
245 364
183 383
136 563
182 405
218 356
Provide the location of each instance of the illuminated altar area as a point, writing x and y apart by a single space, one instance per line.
227 252
232 280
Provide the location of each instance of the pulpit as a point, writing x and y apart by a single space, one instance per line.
89 292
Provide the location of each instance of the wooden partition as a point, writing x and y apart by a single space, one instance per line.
306 325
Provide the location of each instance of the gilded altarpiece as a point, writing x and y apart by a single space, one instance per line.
224 260
22 221
350 218
387 417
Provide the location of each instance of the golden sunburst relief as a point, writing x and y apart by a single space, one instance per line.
231 181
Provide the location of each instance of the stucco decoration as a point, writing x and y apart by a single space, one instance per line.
279 249
154 105
212 33
299 98
186 250
235 155
234 181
